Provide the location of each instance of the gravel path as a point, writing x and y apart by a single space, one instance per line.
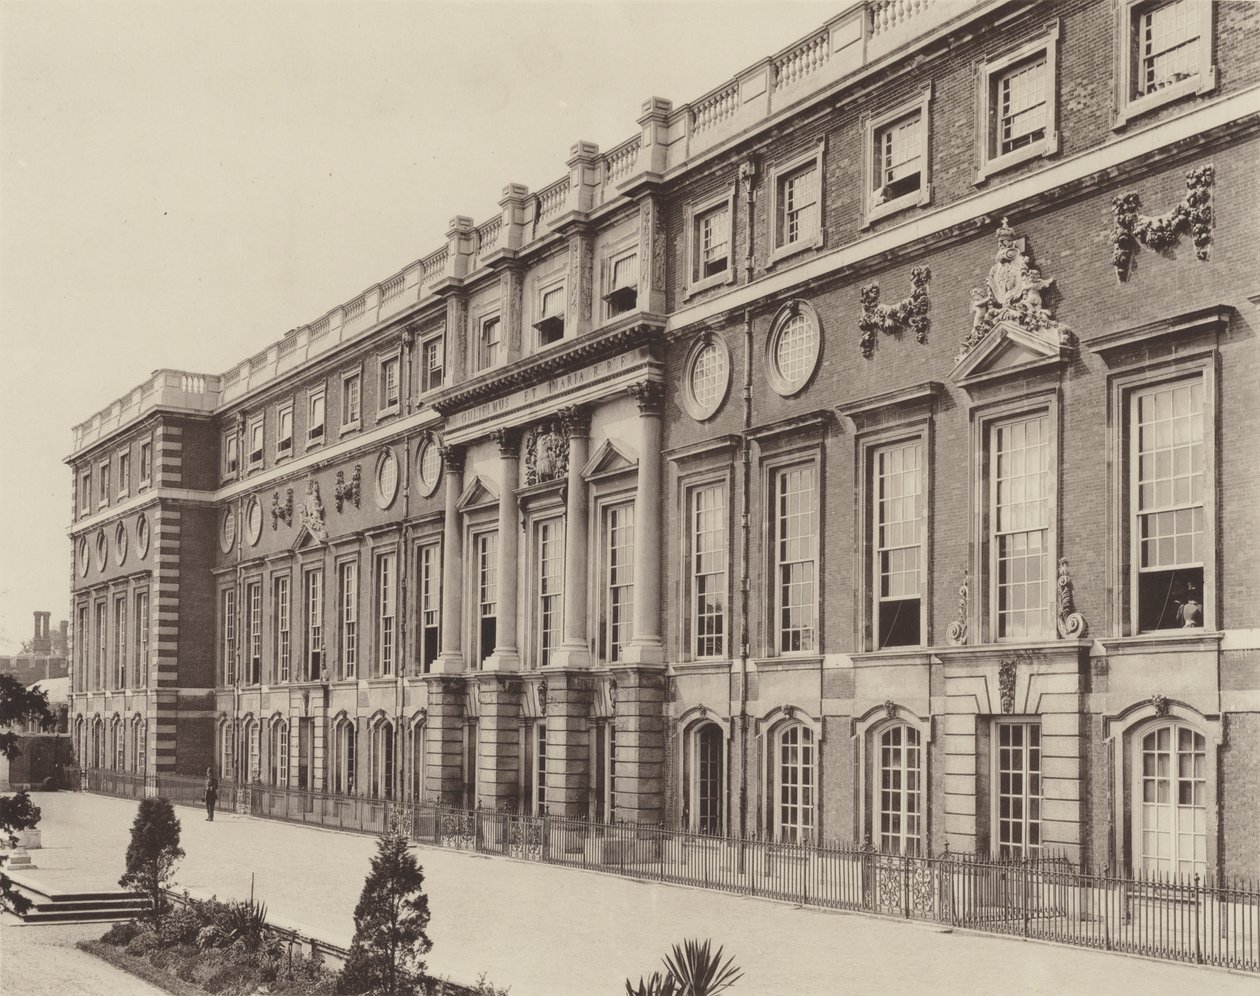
43 961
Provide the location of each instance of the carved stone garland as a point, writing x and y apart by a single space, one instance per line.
956 633
1006 685
546 454
348 490
1160 704
282 510
892 319
1072 624
1012 294
1161 234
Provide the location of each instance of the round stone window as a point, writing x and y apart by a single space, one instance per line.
792 348
102 550
85 558
708 377
142 536
386 478
253 521
227 530
120 543
428 467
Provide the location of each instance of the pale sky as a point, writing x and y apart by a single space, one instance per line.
182 183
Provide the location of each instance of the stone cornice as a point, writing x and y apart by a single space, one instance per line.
864 407
637 330
1214 318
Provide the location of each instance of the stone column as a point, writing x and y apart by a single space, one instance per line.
565 698
444 741
451 659
574 650
646 646
506 656
639 719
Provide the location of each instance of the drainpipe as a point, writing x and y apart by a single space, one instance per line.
748 174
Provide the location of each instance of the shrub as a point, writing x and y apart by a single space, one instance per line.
153 852
143 943
691 969
122 933
182 926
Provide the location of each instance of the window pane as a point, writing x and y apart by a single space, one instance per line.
1021 517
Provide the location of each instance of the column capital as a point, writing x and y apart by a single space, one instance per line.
575 420
452 458
508 439
649 395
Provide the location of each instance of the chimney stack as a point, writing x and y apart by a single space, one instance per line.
41 645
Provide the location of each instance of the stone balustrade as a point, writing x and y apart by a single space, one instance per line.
178 389
859 36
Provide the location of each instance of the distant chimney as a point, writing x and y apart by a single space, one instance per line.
41 644
65 635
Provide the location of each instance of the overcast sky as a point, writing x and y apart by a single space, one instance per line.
182 183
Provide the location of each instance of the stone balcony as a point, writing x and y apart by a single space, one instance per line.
177 390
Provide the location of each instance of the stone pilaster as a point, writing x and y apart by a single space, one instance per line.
639 721
646 646
581 283
451 658
652 246
511 305
444 741
506 656
499 741
458 362
574 649
567 712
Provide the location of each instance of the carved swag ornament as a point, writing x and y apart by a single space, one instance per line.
1162 234
1012 293
282 510
892 319
348 490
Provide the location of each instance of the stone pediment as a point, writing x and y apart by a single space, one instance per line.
476 494
1009 348
610 458
305 539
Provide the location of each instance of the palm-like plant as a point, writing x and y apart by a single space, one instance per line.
691 969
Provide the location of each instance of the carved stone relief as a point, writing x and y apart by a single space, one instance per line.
546 453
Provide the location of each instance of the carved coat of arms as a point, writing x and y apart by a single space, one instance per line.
311 512
1012 293
546 454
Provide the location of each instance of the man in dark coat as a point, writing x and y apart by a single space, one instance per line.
212 793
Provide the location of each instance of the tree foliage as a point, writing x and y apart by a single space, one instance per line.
387 954
18 704
153 852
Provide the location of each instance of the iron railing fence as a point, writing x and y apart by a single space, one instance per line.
1191 918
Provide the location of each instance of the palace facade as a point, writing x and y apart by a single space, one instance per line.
865 449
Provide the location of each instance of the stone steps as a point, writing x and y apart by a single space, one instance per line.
78 907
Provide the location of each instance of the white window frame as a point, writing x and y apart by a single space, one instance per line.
282 593
609 649
560 286
142 638
253 600
695 213
231 466
804 827
692 404
615 256
780 173
384 361
385 585
719 482
786 315
697 780
426 384
1129 104
348 616
120 640
278 749
477 578
775 472
1127 388
139 734
383 767
313 394
1028 797
351 377
910 767
1175 778
345 756
989 75
485 360
124 472
102 499
282 409
428 599
229 611
253 750
538 766
313 614
874 446
542 655
145 469
873 126
85 493
227 749
257 425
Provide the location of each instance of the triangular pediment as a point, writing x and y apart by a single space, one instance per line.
1009 347
610 458
475 494
305 539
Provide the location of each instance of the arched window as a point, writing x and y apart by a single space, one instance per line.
344 759
98 743
383 760
139 732
417 762
80 742
252 749
707 777
118 734
794 783
900 790
278 749
1170 812
227 749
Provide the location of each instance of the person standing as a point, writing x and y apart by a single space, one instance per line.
212 793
